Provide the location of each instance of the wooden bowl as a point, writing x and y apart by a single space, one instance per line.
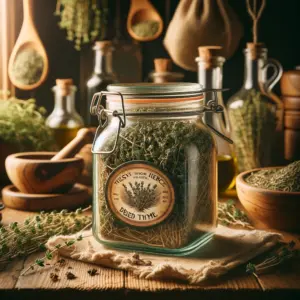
275 209
35 173
77 196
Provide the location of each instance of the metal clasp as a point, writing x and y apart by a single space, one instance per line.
96 109
213 106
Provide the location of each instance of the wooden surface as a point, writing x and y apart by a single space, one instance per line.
116 284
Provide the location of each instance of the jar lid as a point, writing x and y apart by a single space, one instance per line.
157 90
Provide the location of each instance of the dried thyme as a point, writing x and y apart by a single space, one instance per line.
174 147
285 179
93 272
70 276
253 126
28 67
81 19
146 28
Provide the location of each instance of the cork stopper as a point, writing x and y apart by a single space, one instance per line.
207 53
255 49
65 85
162 65
102 45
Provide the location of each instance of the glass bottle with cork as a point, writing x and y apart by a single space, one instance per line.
103 75
163 72
210 76
253 110
64 119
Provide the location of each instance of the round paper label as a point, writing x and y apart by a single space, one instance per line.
140 194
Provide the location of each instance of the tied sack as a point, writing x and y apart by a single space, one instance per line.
202 23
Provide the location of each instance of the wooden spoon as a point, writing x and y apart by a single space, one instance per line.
28 39
143 10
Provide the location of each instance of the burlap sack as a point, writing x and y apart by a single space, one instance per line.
201 23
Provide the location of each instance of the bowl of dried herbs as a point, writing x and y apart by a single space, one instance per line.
272 195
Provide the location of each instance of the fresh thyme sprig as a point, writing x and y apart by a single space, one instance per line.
19 240
229 214
281 255
50 254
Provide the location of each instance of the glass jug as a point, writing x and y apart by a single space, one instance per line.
210 75
253 110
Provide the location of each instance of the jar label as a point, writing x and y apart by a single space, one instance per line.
140 194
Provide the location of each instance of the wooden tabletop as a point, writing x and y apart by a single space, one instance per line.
117 284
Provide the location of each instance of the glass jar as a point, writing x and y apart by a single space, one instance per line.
155 165
252 111
210 76
103 75
64 119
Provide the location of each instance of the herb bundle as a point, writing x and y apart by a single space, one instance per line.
285 179
183 149
253 127
275 259
22 239
81 19
22 124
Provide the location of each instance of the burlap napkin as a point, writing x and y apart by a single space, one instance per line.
228 249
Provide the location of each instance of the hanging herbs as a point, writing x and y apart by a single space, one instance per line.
81 19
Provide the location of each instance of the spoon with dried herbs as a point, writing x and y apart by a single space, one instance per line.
28 63
144 22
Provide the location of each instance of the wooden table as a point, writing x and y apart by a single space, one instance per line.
115 284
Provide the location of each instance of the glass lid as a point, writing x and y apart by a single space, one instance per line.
159 90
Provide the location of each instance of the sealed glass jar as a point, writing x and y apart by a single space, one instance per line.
155 168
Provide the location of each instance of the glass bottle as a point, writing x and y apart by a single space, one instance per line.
103 75
210 76
64 119
155 185
252 110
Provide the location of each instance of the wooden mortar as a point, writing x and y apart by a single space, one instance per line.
48 172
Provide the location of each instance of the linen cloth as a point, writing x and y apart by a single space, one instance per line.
228 249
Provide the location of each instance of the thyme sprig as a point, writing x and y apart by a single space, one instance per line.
22 239
230 215
276 258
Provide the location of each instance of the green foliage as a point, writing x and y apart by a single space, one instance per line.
81 19
22 124
22 239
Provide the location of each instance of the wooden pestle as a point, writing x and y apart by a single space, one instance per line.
84 136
